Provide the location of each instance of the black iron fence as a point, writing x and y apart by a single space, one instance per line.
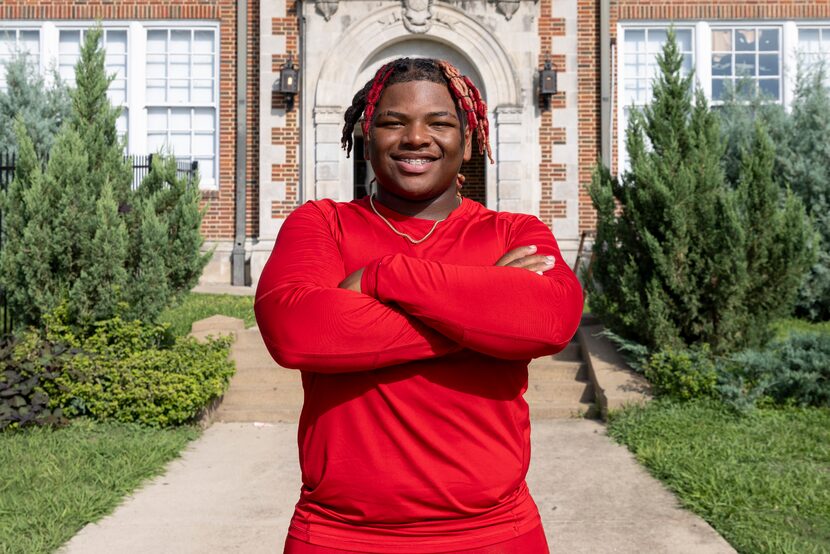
141 167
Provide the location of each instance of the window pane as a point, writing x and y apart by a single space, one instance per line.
157 119
116 42
809 40
203 144
156 91
656 39
180 119
69 43
206 172
687 64
203 42
769 40
202 92
203 119
635 40
770 88
179 42
745 40
180 143
30 42
156 42
719 87
157 142
179 91
768 64
156 70
745 65
721 64
684 39
722 40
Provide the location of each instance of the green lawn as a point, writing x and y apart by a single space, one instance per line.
199 306
762 480
55 481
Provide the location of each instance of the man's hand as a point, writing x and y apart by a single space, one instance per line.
352 282
526 257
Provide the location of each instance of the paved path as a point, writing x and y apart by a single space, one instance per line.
233 491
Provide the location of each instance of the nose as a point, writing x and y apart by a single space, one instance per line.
416 135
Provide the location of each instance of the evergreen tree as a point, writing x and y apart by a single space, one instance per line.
102 282
780 240
805 166
42 108
94 118
149 290
671 255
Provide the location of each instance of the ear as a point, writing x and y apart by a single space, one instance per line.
468 143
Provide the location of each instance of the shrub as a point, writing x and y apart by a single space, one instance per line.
42 108
791 371
27 364
682 258
129 371
77 234
683 374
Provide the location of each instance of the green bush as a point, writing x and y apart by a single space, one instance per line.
793 371
129 371
27 365
77 234
683 374
681 257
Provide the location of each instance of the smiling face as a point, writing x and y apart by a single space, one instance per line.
415 143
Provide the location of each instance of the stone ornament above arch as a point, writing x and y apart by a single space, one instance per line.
364 39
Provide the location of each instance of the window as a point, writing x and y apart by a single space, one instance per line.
814 46
115 45
640 60
181 96
17 40
751 53
639 67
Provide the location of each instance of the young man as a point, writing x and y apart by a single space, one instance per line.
412 316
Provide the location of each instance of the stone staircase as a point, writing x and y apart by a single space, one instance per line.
261 391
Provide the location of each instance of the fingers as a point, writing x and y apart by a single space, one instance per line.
539 264
516 254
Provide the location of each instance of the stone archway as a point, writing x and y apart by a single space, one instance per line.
382 35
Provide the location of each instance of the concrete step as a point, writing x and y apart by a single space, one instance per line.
560 391
552 369
553 410
280 415
258 396
571 353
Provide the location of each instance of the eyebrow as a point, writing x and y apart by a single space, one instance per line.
392 113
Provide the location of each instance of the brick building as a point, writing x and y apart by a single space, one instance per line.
182 70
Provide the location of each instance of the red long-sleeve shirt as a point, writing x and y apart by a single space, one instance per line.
414 436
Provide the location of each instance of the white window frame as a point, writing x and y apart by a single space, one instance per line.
819 26
49 33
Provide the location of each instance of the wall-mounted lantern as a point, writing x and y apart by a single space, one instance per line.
289 82
547 84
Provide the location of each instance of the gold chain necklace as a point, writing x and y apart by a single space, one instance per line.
406 236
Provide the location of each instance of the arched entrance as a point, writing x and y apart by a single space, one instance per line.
474 171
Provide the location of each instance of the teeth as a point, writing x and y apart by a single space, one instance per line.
417 162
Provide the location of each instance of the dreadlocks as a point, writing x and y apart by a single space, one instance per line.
467 97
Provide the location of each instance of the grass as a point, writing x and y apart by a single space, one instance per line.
196 306
55 481
761 480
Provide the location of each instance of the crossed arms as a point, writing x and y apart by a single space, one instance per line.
410 308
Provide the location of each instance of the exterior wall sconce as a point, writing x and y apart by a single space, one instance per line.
547 84
288 83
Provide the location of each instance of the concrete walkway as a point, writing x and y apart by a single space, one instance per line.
233 491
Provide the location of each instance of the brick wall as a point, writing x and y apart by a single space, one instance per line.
289 135
474 176
219 219
551 171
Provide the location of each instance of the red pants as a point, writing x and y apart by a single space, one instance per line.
532 542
